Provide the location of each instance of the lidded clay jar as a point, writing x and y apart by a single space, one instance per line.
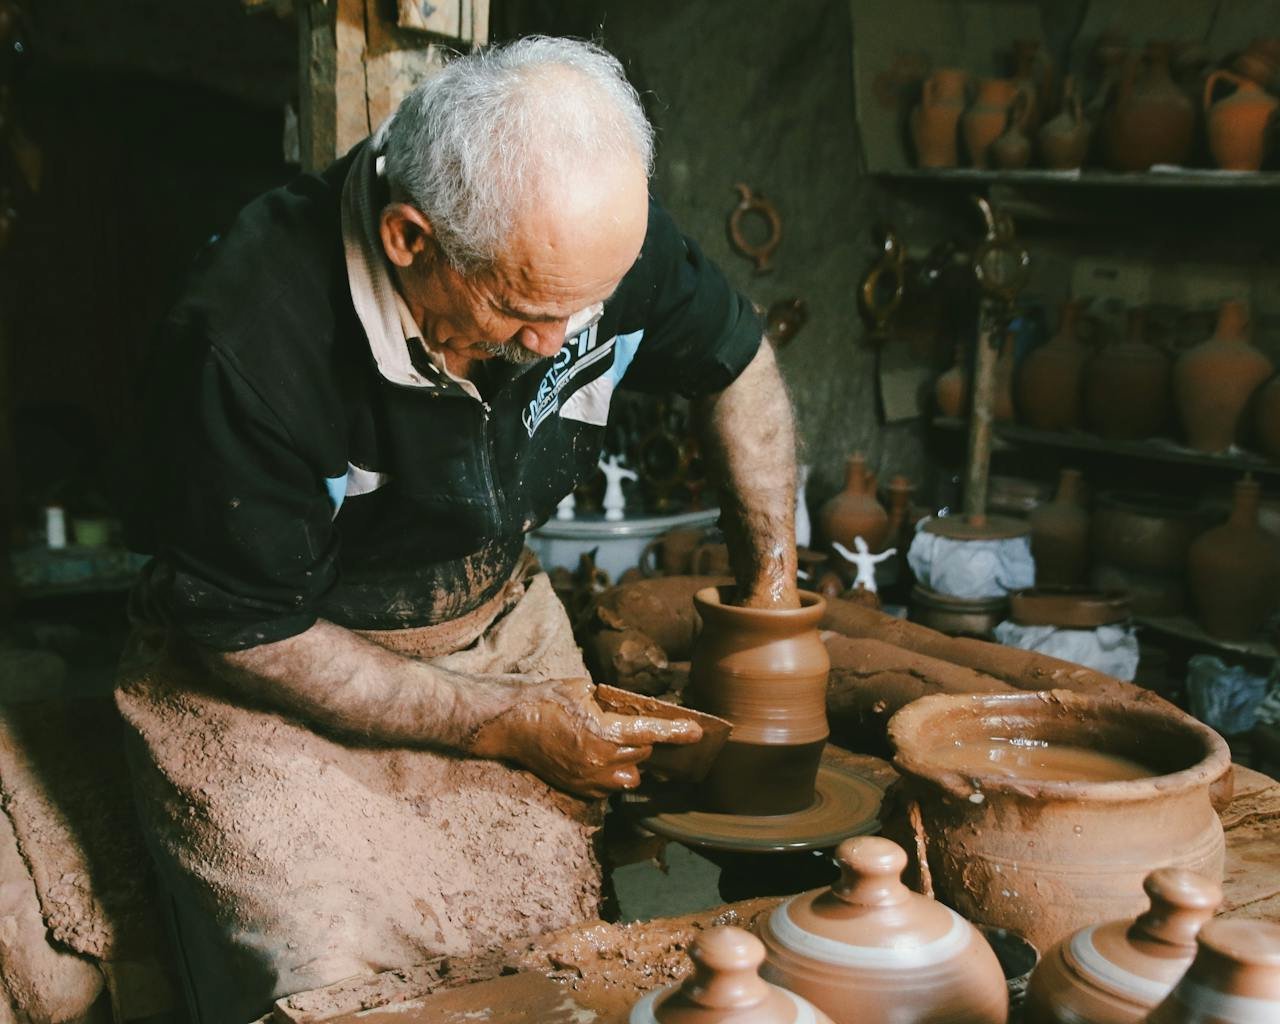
870 951
725 988
1126 386
1114 973
1049 378
1060 534
1235 978
765 670
855 512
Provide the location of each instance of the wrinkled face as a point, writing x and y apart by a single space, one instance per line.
568 254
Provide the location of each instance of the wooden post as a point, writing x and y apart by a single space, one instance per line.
977 470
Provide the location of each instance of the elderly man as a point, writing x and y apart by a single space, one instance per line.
360 730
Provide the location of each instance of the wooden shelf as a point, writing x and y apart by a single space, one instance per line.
1156 449
1198 179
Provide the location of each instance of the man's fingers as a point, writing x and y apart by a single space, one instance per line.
631 755
638 730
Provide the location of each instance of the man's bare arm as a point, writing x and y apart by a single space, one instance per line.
748 433
334 678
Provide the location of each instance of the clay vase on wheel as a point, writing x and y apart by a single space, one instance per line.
1127 386
1048 391
868 950
935 123
1115 973
765 670
1266 418
951 389
1234 979
1234 571
1238 122
1214 381
987 117
855 512
1152 120
1060 535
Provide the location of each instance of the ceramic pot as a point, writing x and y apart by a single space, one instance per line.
765 670
1234 979
1127 386
957 616
1060 534
987 117
1213 382
855 512
1266 418
1234 571
1238 121
935 122
1068 607
1012 150
951 389
1084 860
1147 532
1152 120
900 520
1064 140
870 951
725 988
1048 391
1115 973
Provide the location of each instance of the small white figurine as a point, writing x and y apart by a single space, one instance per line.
614 500
804 529
865 561
565 509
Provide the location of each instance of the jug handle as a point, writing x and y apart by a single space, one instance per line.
647 570
1213 79
1022 101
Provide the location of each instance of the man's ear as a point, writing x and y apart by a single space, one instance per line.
406 233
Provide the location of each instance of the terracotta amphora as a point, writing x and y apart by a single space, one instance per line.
725 988
1266 418
935 123
1214 381
987 117
1152 120
855 512
868 950
765 670
1238 121
1127 386
1115 973
1234 571
1234 979
1064 140
1048 391
1060 535
951 389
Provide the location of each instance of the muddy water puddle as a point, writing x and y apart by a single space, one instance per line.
1039 760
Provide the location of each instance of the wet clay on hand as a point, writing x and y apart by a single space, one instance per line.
559 732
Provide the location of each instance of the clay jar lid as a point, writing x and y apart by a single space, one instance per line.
1235 977
725 987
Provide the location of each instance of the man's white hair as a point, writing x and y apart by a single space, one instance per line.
476 144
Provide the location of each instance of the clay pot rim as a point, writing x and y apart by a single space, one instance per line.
1068 607
935 599
714 601
908 721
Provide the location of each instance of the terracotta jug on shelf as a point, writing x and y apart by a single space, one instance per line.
1260 62
1064 140
868 950
1214 381
765 670
1060 534
1151 120
725 988
1049 378
1234 571
1127 386
935 123
951 389
1012 150
1266 418
987 118
1115 973
1033 73
1234 979
855 512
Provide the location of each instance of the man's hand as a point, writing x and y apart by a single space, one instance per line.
558 732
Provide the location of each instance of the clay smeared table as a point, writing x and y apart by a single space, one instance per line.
605 967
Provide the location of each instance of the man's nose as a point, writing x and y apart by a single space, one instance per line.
545 339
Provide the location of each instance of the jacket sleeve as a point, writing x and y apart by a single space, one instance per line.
699 333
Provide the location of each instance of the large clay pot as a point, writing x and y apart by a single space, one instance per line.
765 670
1214 381
1152 120
951 389
935 123
1126 386
1079 856
1115 973
1146 532
1234 571
1048 389
1064 140
870 951
855 512
1234 979
1060 534
1238 121
987 118
725 988
1266 418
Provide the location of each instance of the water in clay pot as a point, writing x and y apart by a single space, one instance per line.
1027 803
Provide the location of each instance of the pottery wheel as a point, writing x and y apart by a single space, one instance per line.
846 803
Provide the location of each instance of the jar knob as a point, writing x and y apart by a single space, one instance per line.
726 966
1181 901
871 872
